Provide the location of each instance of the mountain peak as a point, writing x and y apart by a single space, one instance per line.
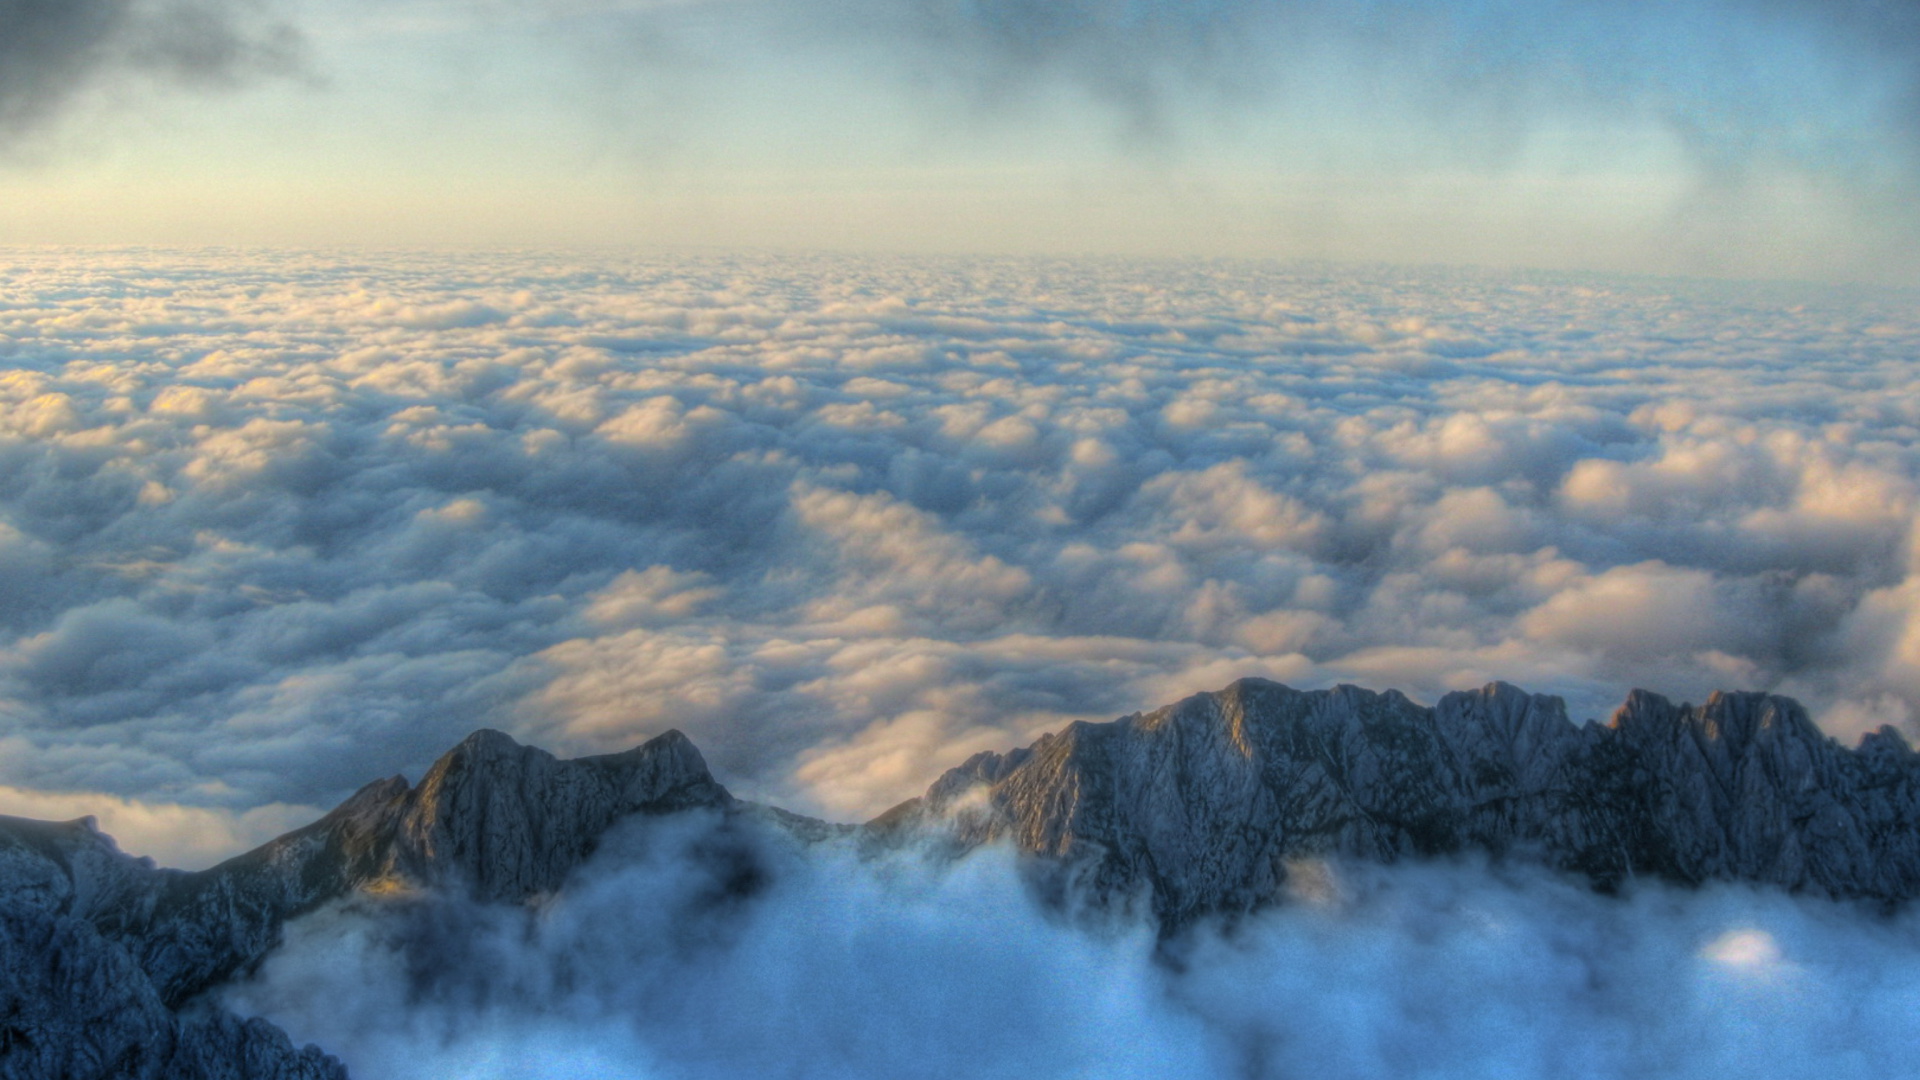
491 817
1199 808
487 738
1203 804
510 821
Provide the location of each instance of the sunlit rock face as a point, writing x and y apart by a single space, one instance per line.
1200 806
510 821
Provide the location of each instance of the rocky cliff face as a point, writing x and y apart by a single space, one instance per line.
101 949
1199 807
74 1004
1195 809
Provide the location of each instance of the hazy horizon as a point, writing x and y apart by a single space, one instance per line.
1733 138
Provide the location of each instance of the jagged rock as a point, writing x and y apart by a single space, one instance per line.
76 1006
1197 808
501 820
509 821
1200 806
492 818
69 867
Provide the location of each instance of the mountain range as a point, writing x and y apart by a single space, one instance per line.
1198 810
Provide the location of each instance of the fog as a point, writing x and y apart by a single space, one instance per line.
689 948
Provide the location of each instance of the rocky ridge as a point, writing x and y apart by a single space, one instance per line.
1199 808
103 954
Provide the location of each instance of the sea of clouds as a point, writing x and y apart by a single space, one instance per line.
275 525
692 948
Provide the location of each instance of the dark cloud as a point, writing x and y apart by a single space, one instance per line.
51 51
1128 53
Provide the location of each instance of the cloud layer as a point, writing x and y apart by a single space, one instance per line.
656 963
272 526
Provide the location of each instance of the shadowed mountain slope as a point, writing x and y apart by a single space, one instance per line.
101 948
1195 809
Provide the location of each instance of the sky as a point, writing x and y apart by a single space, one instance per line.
1749 138
857 386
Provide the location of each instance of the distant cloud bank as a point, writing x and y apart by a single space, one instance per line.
272 526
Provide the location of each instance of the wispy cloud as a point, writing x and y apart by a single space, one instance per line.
1739 81
53 51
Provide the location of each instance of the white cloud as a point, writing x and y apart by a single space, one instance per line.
1639 612
283 524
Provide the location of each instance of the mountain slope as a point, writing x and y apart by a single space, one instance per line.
1194 809
85 924
1200 806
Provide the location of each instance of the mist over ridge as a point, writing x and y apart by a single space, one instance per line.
663 956
623 915
846 968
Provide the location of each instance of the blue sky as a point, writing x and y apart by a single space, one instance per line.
1738 137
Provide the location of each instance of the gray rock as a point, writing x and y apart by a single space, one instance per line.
1199 807
103 950
491 817
76 1006
1196 809
509 821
